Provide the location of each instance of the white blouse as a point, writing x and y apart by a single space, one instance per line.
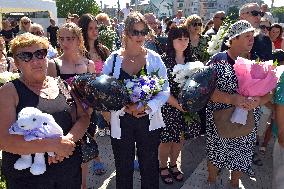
153 63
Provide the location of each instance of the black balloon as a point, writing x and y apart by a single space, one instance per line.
198 89
103 93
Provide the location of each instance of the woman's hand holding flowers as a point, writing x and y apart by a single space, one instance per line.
135 110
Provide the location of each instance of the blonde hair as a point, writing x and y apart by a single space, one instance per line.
192 18
23 19
133 18
102 17
27 40
77 31
36 26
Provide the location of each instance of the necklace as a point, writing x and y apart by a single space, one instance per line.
132 58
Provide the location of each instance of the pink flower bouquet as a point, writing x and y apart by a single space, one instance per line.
254 79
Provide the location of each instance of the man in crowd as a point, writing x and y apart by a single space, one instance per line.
153 42
126 11
52 34
262 47
178 17
267 14
218 18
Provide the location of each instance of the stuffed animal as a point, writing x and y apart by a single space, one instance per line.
34 124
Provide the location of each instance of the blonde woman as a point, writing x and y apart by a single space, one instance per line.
198 42
35 89
6 63
25 24
135 126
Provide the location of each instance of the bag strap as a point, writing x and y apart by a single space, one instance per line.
113 64
57 68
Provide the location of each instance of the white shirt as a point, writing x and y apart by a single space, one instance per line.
153 63
176 20
126 12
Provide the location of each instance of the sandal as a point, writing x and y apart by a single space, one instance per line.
166 178
175 174
99 168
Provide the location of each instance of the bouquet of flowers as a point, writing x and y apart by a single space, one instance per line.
197 83
8 76
144 88
254 79
107 36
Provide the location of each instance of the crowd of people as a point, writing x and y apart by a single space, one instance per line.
147 138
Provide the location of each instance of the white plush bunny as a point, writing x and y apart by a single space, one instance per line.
33 124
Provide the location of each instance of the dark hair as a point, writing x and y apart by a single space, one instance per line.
276 25
169 23
83 23
207 26
175 33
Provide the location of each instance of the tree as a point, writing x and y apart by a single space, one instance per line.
64 7
278 12
233 12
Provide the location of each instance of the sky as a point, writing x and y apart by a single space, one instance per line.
277 3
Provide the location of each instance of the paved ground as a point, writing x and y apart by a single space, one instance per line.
193 164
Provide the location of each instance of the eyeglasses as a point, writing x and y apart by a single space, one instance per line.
27 22
264 27
27 56
196 24
38 33
256 13
66 38
137 32
221 18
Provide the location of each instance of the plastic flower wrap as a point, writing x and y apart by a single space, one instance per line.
144 88
197 83
8 76
254 79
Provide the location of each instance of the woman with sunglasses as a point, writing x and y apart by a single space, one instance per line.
25 24
276 37
37 29
138 124
6 63
198 42
35 89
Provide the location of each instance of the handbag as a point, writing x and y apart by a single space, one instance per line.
89 148
227 129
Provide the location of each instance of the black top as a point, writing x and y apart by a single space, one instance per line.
52 30
60 110
8 34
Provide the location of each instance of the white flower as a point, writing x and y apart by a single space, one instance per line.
146 89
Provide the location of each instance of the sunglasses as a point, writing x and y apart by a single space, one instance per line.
256 13
27 56
221 18
38 33
137 32
264 27
25 23
196 24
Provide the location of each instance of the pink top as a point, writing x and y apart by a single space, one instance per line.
99 66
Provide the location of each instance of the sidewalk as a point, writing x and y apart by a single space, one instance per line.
193 164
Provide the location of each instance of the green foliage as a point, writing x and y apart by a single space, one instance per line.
278 12
107 36
190 117
64 7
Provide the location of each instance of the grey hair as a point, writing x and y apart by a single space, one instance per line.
244 8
